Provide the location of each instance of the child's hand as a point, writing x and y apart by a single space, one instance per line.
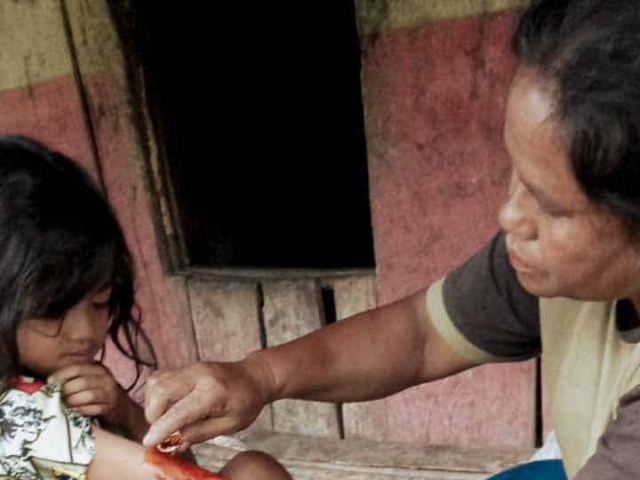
91 389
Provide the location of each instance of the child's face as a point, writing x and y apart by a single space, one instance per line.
47 345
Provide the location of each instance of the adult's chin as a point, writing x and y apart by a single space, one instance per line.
535 284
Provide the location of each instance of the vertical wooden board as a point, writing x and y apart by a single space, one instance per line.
355 295
291 310
38 92
121 150
225 319
227 326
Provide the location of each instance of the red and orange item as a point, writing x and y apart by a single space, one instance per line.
176 469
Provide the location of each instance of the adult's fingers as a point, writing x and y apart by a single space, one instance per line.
88 397
182 413
202 401
163 389
94 410
208 428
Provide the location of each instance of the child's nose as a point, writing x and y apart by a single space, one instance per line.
80 324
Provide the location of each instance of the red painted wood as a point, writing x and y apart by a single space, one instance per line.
49 112
434 98
162 298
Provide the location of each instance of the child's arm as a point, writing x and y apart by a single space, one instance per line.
120 458
91 390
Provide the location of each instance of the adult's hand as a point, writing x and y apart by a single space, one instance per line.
205 400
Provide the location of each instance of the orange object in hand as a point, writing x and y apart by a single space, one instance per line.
176 469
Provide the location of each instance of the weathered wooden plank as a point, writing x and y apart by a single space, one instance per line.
34 45
121 144
291 310
225 319
227 325
354 295
38 92
366 453
375 16
315 458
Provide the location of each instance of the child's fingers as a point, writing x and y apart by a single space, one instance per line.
78 384
87 397
76 370
91 382
94 410
105 387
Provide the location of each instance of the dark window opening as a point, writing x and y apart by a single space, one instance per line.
260 113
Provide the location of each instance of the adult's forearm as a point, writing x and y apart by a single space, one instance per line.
367 356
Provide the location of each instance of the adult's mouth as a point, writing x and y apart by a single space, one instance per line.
518 263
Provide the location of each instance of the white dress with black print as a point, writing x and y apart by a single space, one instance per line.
40 438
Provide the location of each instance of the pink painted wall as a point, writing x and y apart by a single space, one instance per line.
434 100
50 112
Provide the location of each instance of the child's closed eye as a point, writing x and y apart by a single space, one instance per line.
102 299
101 305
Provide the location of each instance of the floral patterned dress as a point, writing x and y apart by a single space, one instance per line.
40 438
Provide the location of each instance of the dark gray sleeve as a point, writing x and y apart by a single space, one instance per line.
487 304
617 456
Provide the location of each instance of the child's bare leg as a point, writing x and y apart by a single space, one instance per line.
254 465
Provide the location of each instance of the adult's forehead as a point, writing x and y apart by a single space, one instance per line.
529 112
531 96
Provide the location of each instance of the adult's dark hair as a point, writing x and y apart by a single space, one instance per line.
589 52
59 241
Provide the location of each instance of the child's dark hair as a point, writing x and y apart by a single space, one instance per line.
589 52
59 241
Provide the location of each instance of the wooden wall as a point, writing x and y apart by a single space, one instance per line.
435 78
434 88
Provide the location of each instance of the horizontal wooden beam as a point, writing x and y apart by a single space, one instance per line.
316 458
375 16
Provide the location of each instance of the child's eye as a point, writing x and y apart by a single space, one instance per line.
101 305
46 327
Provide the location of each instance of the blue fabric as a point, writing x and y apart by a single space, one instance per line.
540 470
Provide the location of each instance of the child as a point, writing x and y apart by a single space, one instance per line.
66 284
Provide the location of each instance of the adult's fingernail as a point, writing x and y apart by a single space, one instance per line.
147 439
